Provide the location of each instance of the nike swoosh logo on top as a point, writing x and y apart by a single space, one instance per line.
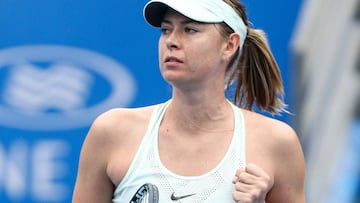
174 198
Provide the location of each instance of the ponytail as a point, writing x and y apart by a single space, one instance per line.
257 75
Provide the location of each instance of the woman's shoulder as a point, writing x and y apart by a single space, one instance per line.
270 130
118 116
118 123
280 145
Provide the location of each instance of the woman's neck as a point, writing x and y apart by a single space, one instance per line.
200 112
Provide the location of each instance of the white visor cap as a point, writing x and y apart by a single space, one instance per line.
206 11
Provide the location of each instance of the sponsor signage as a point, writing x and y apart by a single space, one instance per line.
47 92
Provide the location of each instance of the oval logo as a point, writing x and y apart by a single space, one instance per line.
58 87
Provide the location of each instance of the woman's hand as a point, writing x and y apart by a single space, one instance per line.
251 185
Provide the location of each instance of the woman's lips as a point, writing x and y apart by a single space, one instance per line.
172 59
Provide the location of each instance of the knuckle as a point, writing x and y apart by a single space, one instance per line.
267 183
263 186
255 195
234 194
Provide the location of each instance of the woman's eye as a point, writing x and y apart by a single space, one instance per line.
190 30
164 31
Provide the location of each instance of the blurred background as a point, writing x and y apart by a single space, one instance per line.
64 62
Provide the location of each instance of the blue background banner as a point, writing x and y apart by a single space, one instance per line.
64 62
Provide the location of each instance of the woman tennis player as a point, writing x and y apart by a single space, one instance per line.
198 146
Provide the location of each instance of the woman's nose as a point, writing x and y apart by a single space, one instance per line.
172 42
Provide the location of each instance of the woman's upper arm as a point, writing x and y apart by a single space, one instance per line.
92 183
289 168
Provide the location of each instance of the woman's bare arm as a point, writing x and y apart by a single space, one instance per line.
289 168
92 183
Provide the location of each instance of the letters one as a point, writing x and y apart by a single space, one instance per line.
34 170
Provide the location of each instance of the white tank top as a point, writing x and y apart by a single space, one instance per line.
212 187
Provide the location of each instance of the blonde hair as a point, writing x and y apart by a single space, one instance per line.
257 75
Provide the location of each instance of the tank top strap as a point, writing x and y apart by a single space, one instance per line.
157 116
240 133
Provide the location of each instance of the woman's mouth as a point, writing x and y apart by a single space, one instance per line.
172 59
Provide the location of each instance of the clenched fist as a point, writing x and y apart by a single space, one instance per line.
251 185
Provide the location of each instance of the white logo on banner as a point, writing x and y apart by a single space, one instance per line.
50 87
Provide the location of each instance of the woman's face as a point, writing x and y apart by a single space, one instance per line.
190 51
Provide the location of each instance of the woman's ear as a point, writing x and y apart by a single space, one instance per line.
232 46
